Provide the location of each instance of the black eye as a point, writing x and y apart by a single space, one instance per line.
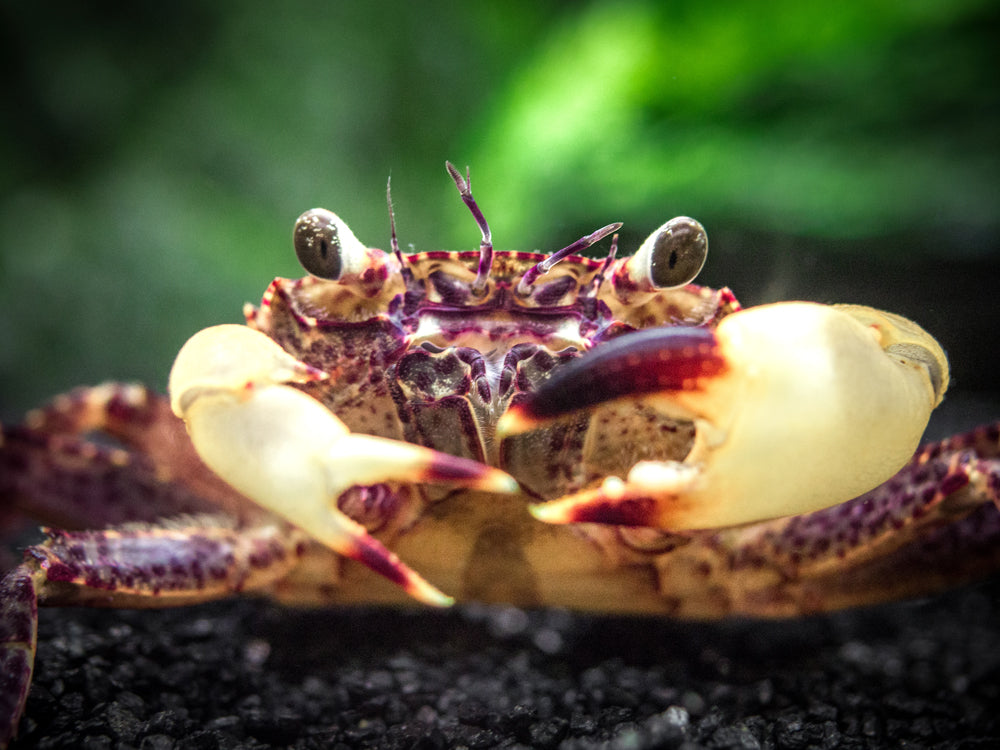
679 250
318 245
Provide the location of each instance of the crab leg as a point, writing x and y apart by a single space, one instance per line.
52 470
18 638
188 560
797 406
933 525
288 453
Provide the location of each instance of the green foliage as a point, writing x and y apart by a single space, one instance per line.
835 120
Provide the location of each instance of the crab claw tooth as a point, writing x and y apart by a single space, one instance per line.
446 469
658 361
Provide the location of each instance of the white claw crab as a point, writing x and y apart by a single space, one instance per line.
423 411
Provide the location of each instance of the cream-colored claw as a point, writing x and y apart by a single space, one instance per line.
797 406
288 453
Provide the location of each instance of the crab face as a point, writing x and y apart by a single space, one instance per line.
517 427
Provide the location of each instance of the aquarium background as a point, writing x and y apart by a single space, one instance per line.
154 158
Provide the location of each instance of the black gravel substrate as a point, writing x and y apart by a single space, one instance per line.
251 674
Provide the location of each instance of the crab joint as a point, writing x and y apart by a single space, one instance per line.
796 406
288 453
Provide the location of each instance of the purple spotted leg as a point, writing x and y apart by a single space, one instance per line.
103 456
171 564
934 525
18 637
114 457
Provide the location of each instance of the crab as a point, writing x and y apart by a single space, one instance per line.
600 434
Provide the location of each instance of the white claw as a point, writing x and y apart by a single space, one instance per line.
287 452
815 405
821 404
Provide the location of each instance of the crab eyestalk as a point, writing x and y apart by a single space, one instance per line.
672 256
797 406
288 453
327 248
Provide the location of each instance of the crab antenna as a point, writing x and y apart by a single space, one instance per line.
464 185
393 242
595 285
524 285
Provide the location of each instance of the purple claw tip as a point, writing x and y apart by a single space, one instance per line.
633 511
645 362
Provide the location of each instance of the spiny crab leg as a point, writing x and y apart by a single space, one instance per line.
287 452
797 406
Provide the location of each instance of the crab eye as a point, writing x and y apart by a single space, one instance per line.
318 244
676 251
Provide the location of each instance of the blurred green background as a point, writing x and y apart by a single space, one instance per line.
154 157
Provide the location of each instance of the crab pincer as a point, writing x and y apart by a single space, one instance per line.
284 450
797 406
